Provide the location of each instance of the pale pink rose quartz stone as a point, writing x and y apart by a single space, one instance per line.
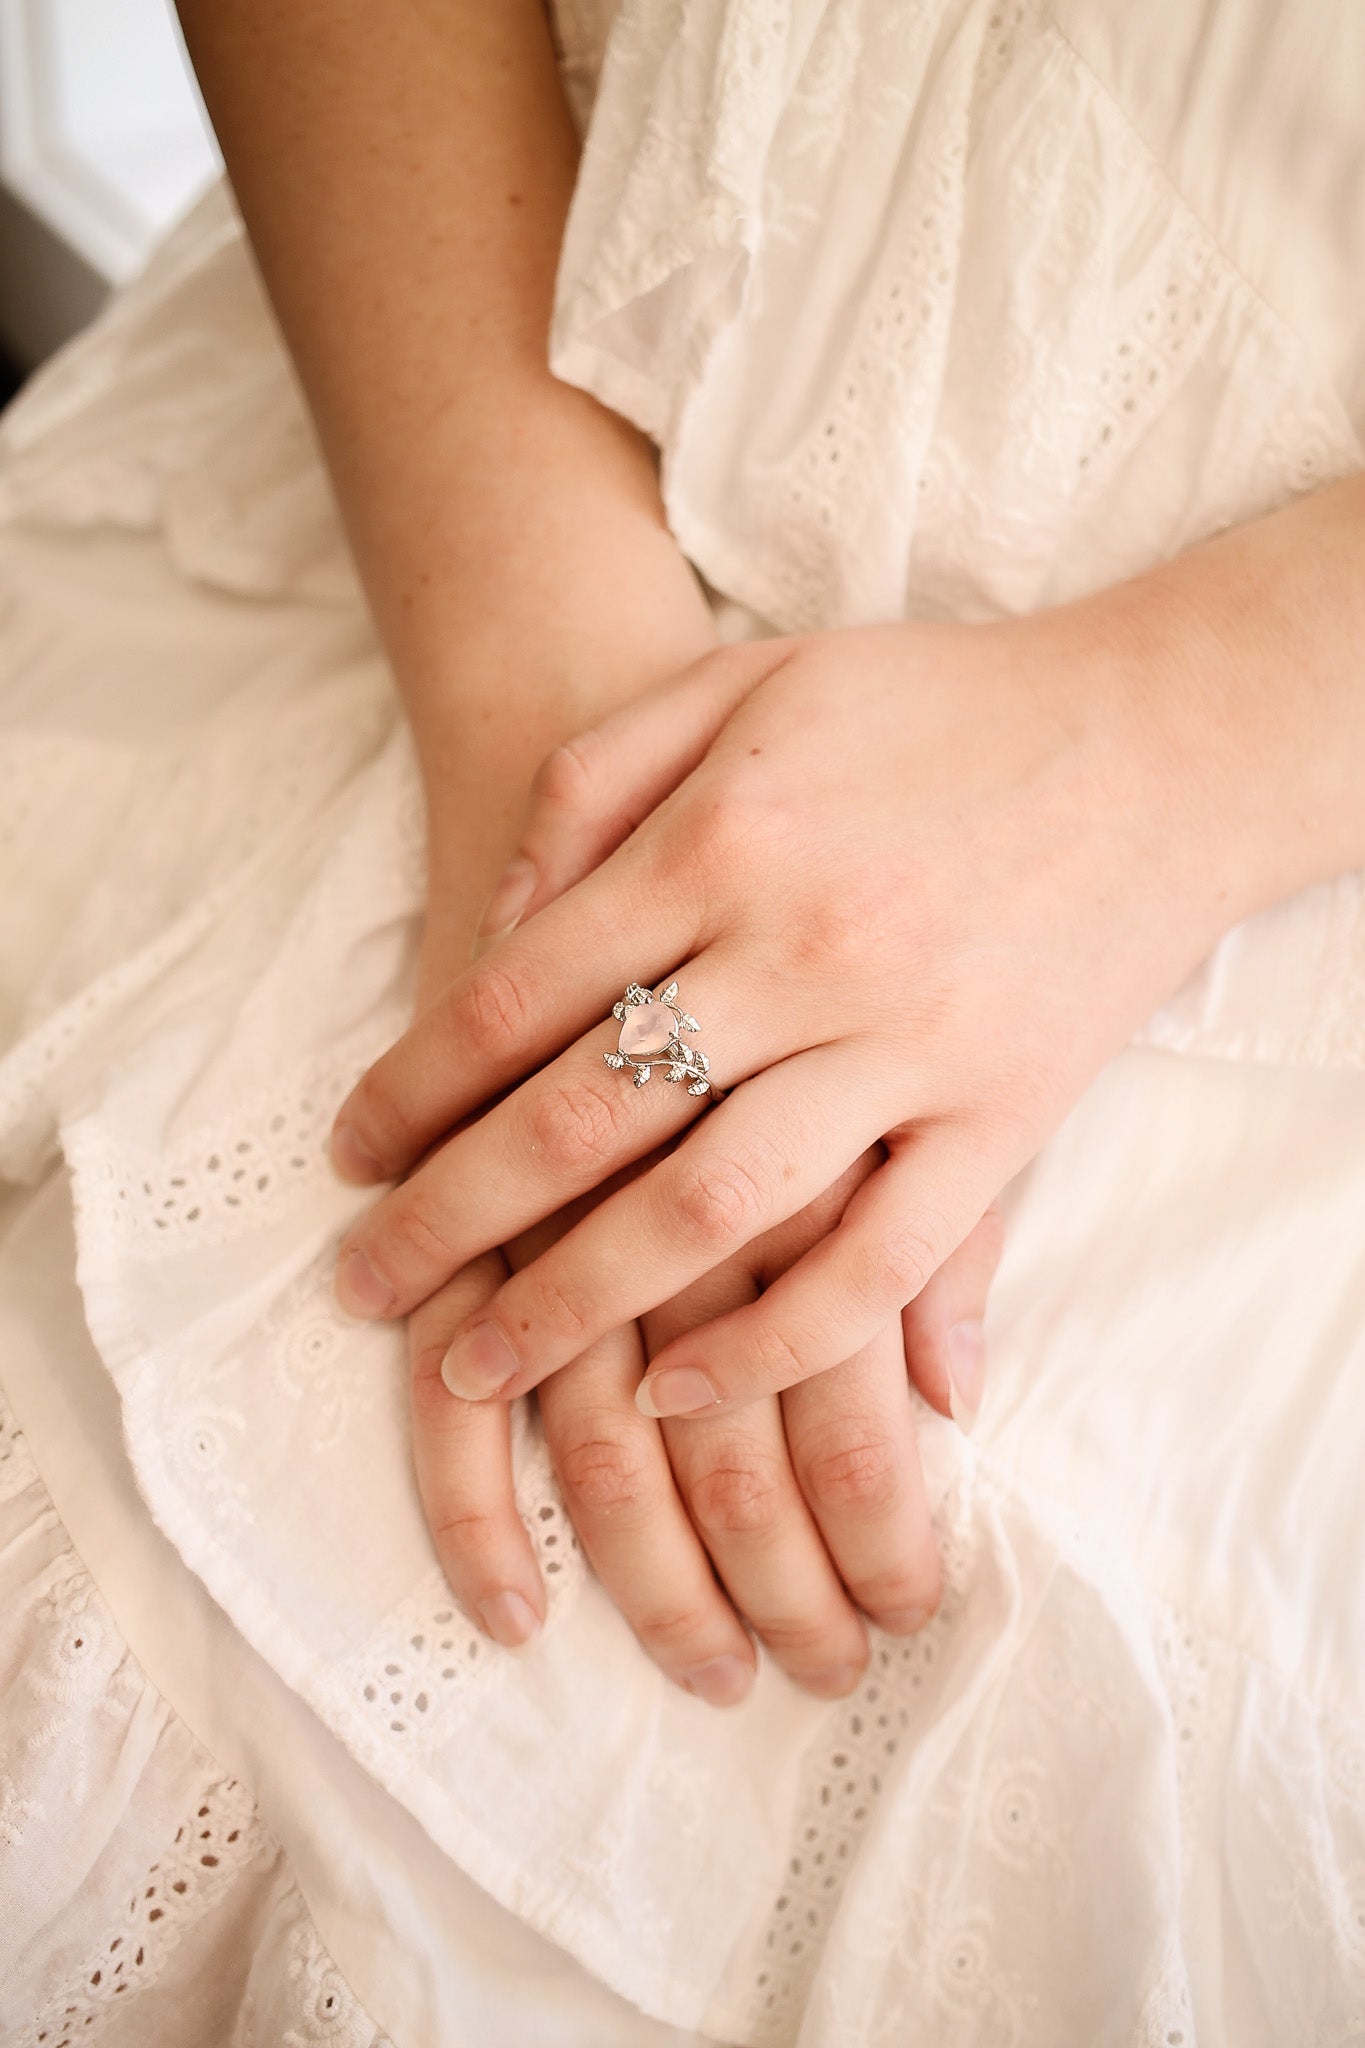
646 1030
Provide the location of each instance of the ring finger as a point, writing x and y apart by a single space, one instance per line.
621 1497
736 1476
558 1135
851 1434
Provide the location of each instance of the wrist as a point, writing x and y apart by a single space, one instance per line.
510 678
545 625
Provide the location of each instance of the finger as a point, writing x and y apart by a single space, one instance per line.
562 1133
742 1496
780 1247
851 1434
591 793
896 1231
512 1011
764 1154
463 1460
736 1477
944 1339
620 1494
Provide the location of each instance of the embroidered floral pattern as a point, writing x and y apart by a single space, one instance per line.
71 1696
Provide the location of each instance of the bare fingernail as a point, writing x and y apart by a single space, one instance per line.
904 1621
835 1684
966 1349
479 1363
723 1682
512 893
682 1390
351 1159
509 1619
360 1290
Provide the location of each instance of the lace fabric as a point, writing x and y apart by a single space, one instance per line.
979 1927
1103 1786
133 1871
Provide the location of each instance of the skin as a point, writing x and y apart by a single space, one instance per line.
921 882
405 176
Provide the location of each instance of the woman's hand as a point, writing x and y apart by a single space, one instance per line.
917 883
803 1509
807 1510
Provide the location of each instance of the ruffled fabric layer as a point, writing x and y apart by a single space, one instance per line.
1114 1792
1064 1812
139 1885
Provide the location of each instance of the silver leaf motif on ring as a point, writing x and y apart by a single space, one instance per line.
652 1025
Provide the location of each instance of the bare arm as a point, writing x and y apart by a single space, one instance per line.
405 173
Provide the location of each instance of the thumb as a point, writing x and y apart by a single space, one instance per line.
589 795
944 1350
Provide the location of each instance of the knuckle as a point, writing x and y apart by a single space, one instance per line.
603 1474
473 1537
718 1203
416 1235
777 1362
492 1012
807 1641
892 1591
567 776
860 1472
730 822
571 1128
432 1403
895 1263
740 1496
557 1311
671 1633
850 919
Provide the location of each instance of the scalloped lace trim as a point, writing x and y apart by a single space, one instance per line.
66 1710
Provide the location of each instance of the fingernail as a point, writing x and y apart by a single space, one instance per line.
682 1390
512 893
904 1621
509 1619
966 1348
835 1684
723 1682
478 1363
360 1290
350 1157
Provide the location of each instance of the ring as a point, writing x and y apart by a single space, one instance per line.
651 1035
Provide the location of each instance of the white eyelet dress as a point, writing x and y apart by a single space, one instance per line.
936 308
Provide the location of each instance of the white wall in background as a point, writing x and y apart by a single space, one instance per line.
103 141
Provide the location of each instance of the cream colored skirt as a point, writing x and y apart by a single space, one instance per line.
259 1781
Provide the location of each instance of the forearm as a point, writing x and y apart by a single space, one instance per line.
1244 664
405 175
